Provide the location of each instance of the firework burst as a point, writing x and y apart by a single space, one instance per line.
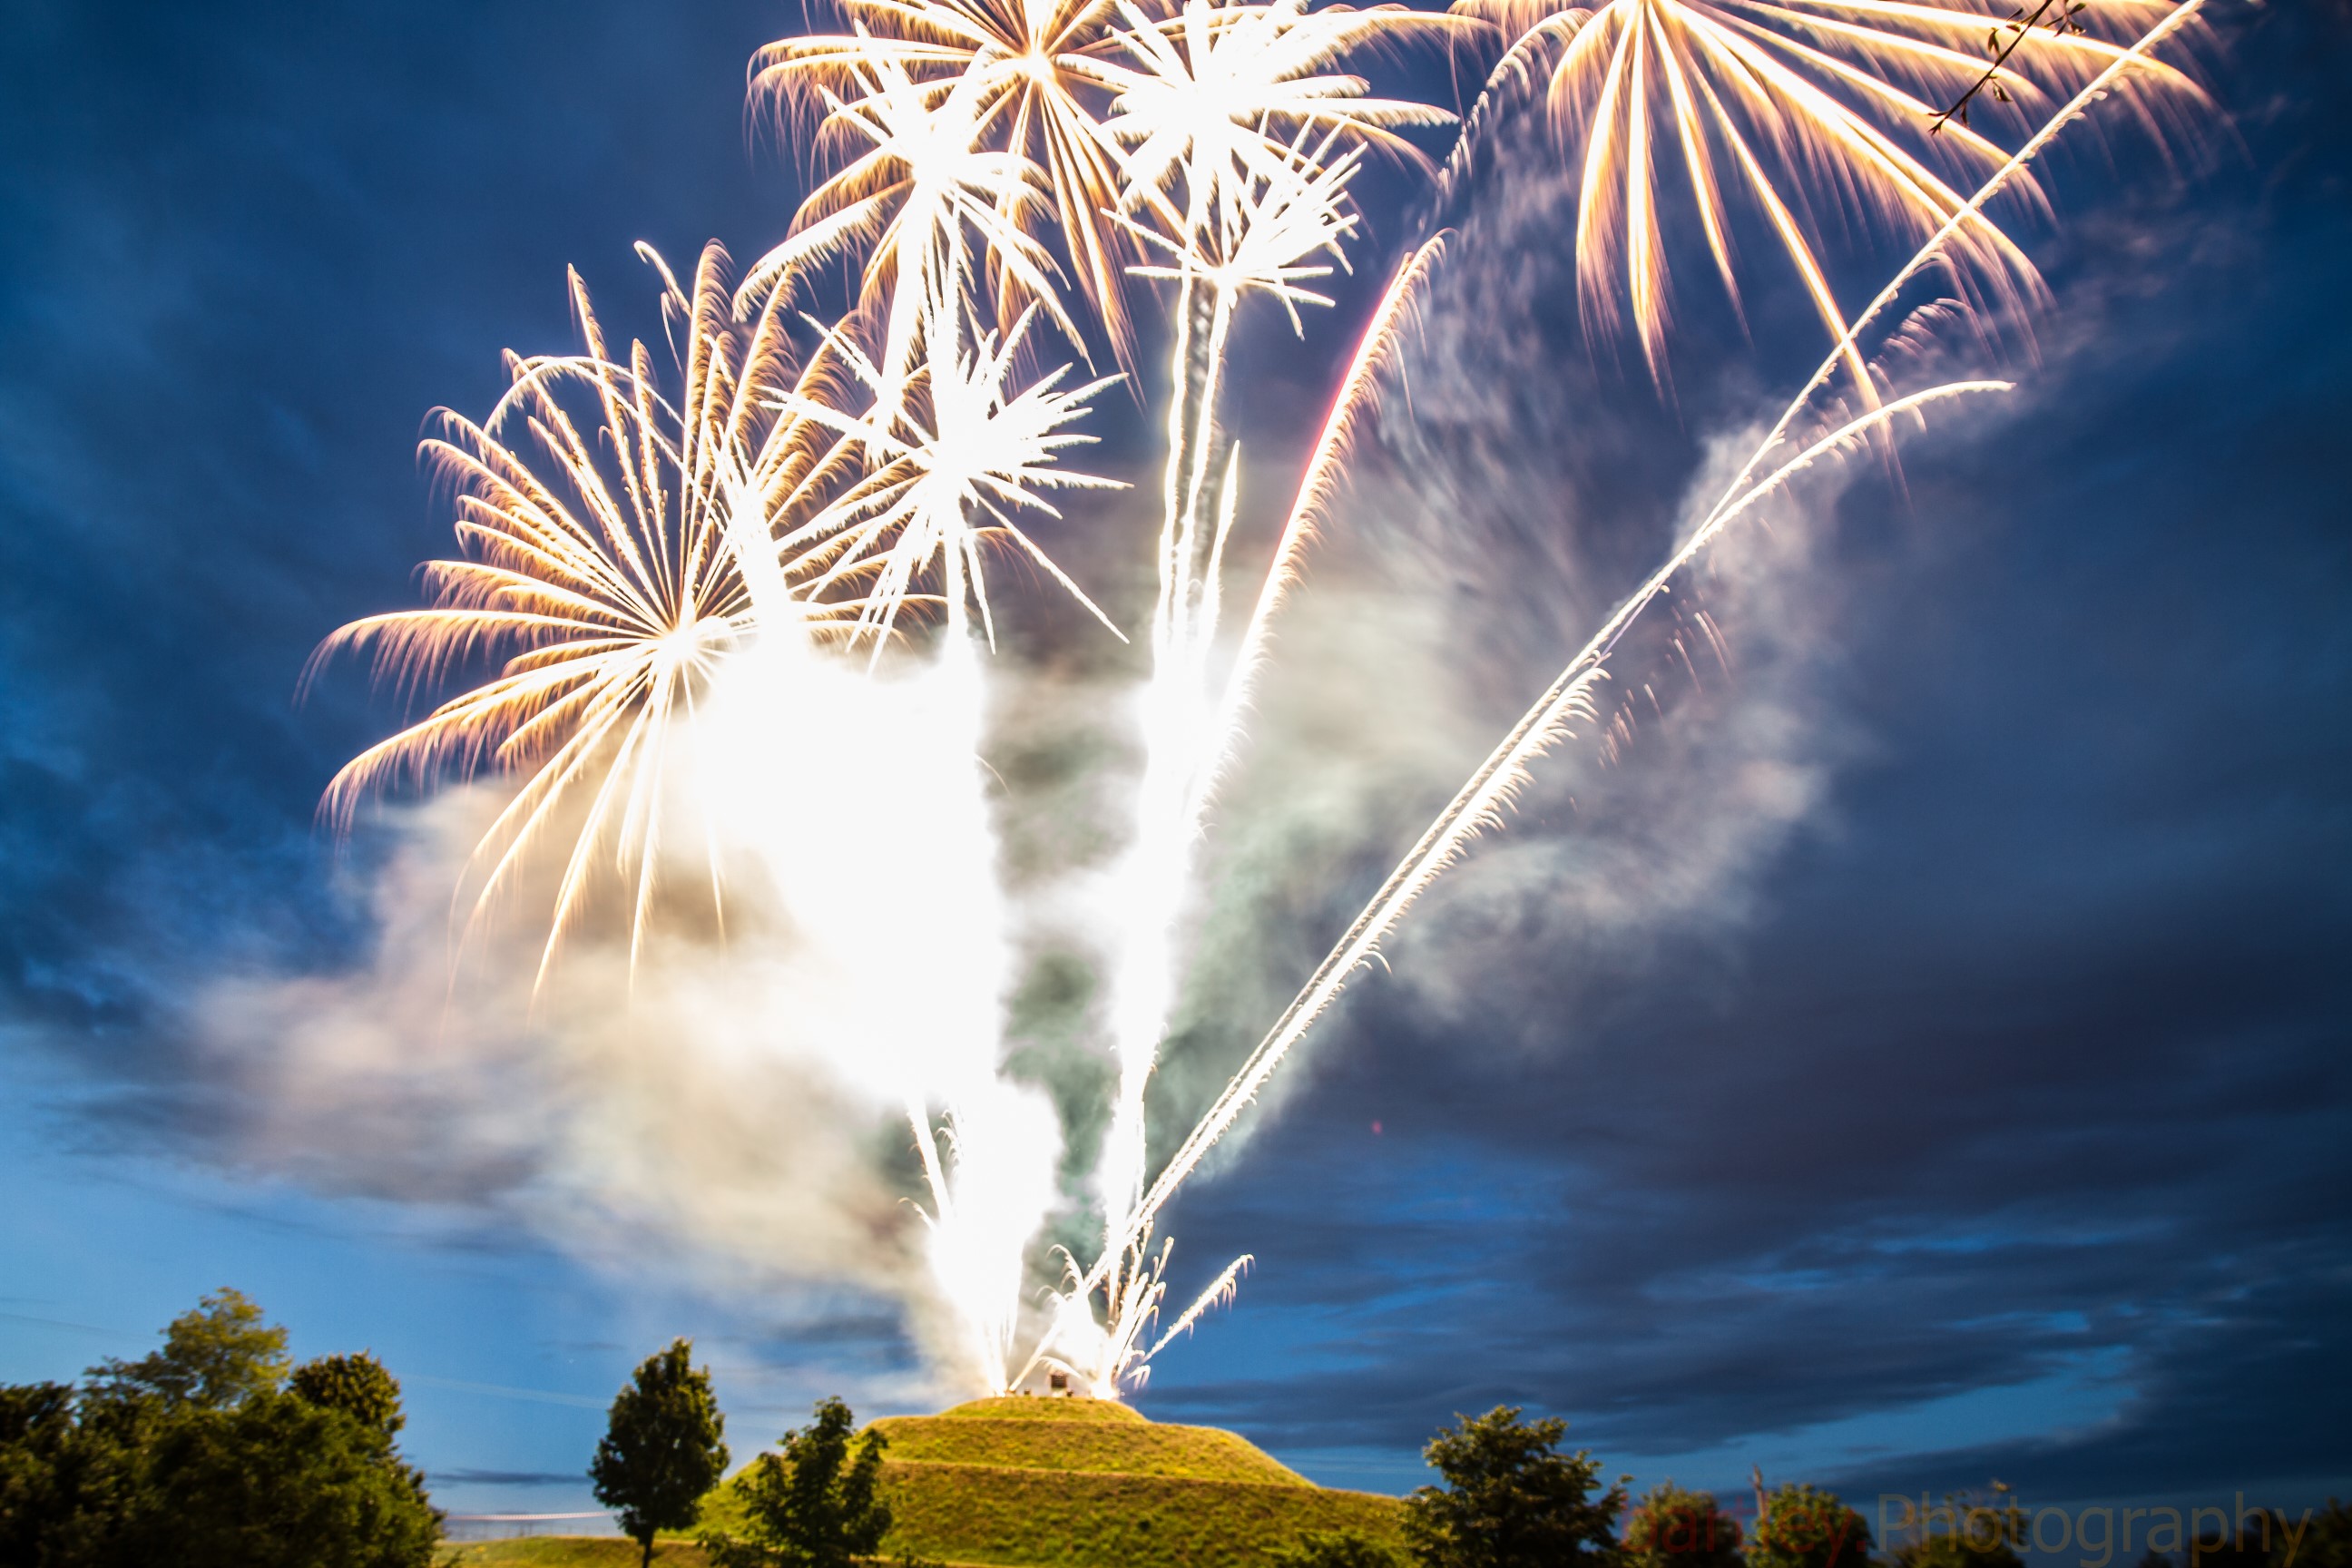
617 546
1029 69
925 203
1802 106
950 463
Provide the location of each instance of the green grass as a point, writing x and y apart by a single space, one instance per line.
1184 1453
573 1551
1062 1518
1052 1483
1083 1483
1021 1407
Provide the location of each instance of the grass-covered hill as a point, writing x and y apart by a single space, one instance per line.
1082 1483
1091 1435
1058 1483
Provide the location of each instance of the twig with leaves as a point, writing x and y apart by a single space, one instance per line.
2003 42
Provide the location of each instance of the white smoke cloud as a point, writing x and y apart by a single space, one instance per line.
734 1099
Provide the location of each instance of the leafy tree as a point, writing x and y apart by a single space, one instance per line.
1671 1527
358 1385
1336 1549
211 1358
280 1482
1970 1531
2326 1540
814 1505
663 1447
1511 1499
55 1481
193 1456
1802 1527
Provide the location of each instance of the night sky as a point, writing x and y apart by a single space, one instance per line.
1918 1057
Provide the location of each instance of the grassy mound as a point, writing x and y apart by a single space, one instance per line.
1022 1407
1050 1519
1034 1434
1082 1483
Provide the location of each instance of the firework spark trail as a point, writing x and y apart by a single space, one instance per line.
1264 252
953 453
639 607
1489 790
1481 802
944 97
1147 982
852 799
950 135
1358 395
1203 99
1203 106
987 1207
1932 251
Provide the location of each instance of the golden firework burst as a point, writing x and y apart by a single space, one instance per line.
1808 107
616 544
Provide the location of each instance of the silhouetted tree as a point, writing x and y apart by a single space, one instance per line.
2325 1542
1970 1530
663 1447
1802 1527
1511 1499
2257 1539
815 1505
1671 1527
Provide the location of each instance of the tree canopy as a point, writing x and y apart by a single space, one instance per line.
664 1447
1803 1527
204 1454
1967 1531
278 1482
2327 1540
358 1385
816 1504
213 1357
1671 1527
1511 1499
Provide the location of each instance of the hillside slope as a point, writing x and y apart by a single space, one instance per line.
1076 1483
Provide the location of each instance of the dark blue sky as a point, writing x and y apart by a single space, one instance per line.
1984 1114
